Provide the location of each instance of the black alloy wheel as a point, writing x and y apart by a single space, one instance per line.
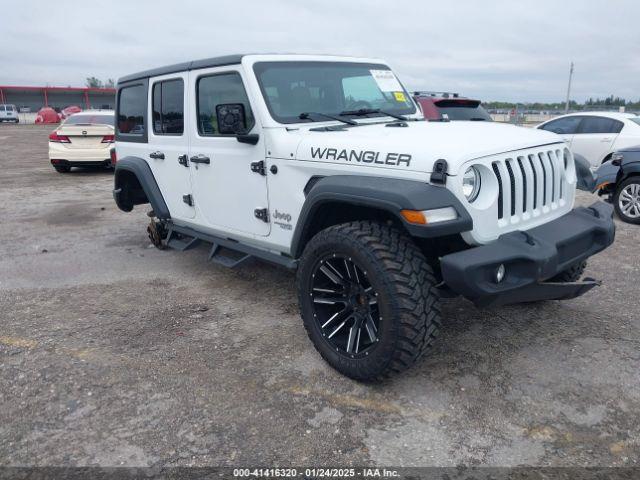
345 305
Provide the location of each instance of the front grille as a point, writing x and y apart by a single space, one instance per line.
529 183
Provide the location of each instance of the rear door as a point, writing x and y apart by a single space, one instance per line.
566 127
594 138
169 141
227 193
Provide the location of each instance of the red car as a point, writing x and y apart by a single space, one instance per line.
435 105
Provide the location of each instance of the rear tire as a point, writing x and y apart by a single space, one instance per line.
626 200
571 274
382 276
62 169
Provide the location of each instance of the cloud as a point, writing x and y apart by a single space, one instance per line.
493 50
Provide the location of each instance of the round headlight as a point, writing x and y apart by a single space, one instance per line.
471 184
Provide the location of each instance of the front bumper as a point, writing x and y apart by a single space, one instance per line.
530 258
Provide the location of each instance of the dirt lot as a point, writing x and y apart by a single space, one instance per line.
115 353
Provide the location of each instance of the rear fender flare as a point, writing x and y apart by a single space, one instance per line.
141 170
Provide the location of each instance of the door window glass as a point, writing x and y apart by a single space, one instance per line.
563 126
214 90
600 125
168 107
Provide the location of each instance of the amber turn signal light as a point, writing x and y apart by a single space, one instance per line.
414 216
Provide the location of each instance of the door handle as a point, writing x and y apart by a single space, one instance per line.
157 155
200 159
605 140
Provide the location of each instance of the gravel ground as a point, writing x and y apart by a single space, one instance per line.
115 353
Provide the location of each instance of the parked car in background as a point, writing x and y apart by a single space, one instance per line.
9 113
83 140
70 110
618 179
596 135
450 106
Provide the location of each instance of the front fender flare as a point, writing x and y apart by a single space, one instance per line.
388 194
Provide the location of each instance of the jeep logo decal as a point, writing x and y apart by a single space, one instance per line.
364 156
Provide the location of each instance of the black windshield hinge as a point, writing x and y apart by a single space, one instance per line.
439 173
188 199
259 167
262 214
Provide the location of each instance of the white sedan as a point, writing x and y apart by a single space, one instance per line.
83 140
596 135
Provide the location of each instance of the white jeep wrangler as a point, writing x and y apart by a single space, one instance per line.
325 165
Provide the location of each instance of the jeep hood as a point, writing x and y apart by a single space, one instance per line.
417 145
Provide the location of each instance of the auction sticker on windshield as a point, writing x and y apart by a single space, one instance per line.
386 80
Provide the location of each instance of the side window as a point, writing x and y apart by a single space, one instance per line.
217 90
563 126
168 107
132 105
600 125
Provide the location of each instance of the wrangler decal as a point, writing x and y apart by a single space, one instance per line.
363 156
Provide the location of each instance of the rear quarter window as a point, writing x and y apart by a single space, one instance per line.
132 113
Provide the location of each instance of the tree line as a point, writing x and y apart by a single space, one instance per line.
590 103
93 82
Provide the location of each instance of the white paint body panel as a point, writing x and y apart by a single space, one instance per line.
226 192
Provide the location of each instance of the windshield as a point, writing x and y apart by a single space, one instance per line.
90 119
463 110
331 88
636 120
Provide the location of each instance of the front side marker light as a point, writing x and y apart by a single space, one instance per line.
427 217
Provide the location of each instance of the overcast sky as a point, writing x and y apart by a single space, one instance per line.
516 50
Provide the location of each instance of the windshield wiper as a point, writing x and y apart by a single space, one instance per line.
477 119
367 111
308 115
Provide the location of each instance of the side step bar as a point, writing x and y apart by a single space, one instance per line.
224 251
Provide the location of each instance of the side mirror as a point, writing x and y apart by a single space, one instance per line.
616 159
231 118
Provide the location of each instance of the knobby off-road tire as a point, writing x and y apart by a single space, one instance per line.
394 286
571 274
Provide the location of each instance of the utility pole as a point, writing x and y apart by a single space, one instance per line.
566 105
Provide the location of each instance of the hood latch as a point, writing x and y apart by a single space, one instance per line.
439 174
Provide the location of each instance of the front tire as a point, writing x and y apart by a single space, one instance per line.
626 200
367 298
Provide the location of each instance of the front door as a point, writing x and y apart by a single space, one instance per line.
169 142
227 194
595 137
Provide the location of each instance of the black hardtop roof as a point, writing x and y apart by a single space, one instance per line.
184 66
195 64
